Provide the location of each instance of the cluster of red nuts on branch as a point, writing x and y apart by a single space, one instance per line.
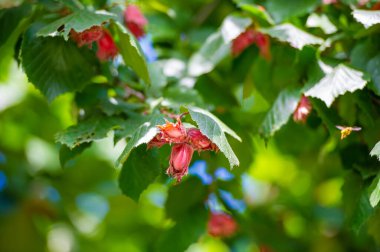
134 20
184 141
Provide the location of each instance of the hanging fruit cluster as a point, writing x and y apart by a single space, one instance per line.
184 141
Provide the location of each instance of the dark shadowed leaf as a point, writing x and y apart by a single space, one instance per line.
55 66
182 198
280 112
66 154
141 169
186 231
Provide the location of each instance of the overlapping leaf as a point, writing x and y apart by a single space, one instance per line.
87 131
209 55
280 112
374 197
131 53
376 151
296 37
143 134
215 130
232 26
141 169
337 81
55 66
79 20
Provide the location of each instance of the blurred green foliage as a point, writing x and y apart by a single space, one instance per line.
67 118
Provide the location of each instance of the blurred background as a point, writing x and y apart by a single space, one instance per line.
296 193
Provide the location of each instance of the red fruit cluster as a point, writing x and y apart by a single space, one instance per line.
303 110
185 142
106 47
249 37
135 20
221 225
88 36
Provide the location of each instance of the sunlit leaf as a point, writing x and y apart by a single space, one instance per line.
292 35
367 17
374 197
79 20
232 26
376 151
209 55
340 80
214 129
143 134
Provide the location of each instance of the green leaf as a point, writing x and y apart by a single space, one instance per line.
187 230
280 112
376 151
178 204
87 131
321 21
131 52
142 135
209 55
283 9
362 213
232 26
12 24
140 170
55 66
367 17
66 154
79 21
255 11
373 66
214 129
293 35
337 81
374 197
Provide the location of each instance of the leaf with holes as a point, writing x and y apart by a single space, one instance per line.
337 81
79 21
214 129
87 131
296 37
